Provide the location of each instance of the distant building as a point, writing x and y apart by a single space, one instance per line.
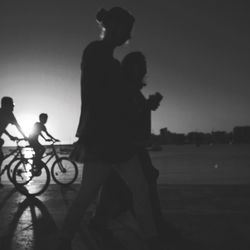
241 134
198 138
221 137
167 137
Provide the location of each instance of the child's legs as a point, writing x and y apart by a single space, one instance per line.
133 175
38 148
94 174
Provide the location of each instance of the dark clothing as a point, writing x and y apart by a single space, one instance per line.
117 198
151 174
6 118
140 118
1 153
103 127
115 195
33 139
1 160
38 148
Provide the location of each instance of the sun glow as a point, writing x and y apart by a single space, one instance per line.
27 121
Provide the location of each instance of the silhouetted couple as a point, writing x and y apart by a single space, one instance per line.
111 144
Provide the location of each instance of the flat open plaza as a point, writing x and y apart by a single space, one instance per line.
206 206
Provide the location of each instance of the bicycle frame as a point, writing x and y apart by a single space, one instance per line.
63 171
17 153
51 154
16 156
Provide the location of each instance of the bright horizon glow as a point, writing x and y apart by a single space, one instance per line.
200 67
26 122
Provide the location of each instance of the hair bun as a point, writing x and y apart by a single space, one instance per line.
101 14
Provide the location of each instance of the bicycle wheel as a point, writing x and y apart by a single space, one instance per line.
11 168
28 181
64 171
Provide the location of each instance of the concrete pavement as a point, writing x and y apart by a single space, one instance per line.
199 217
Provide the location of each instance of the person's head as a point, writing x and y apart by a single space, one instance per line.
116 23
43 118
134 66
7 103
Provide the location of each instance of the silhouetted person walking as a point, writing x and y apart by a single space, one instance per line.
134 66
104 135
7 117
116 198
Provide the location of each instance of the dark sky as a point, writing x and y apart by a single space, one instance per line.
197 52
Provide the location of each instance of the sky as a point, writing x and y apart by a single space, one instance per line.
197 54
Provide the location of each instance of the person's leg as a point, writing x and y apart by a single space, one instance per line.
115 198
132 174
1 161
94 174
151 175
39 151
35 146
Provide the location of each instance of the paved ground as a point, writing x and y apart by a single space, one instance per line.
200 217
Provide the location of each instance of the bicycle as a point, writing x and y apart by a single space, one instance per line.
64 171
33 178
18 156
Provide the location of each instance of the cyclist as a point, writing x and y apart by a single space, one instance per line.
7 117
39 129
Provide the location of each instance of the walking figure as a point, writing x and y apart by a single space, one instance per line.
116 199
105 143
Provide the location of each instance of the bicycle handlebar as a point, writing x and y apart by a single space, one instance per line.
18 140
53 141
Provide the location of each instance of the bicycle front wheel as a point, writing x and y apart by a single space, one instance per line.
11 168
30 182
64 171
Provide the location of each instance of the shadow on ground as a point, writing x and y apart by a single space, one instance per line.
198 217
32 227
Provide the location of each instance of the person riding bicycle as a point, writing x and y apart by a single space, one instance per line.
38 129
7 117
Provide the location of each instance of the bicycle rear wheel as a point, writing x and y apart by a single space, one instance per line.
64 171
28 181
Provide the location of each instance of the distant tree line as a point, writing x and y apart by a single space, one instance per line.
239 135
